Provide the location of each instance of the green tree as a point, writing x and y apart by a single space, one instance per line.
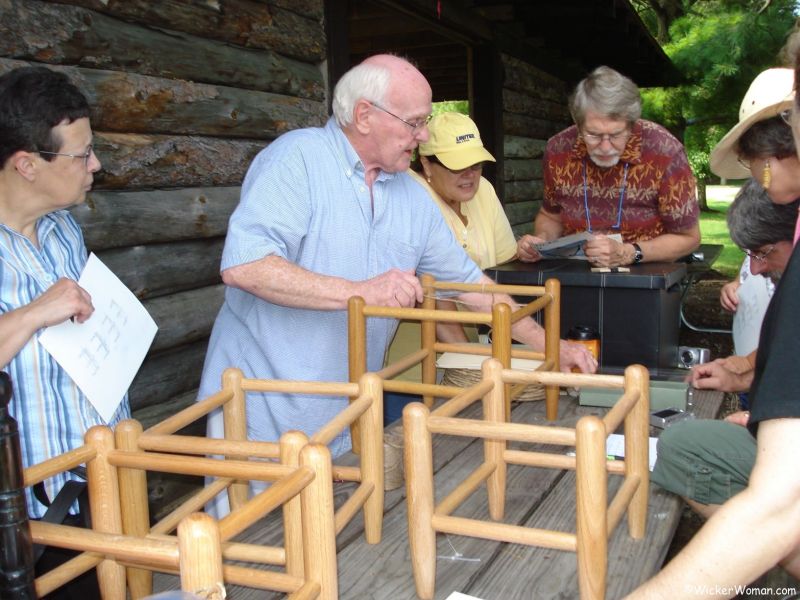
719 46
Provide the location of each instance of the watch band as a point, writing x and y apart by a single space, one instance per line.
638 255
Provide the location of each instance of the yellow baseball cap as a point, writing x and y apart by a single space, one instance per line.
455 140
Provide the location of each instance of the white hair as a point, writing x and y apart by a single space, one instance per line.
609 93
364 81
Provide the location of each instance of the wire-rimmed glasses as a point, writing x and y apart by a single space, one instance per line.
415 126
760 256
86 156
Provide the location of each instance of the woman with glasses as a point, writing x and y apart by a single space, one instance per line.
617 176
449 168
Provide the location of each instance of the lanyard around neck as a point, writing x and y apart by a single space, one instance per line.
622 187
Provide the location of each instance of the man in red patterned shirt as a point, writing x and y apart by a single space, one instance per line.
615 173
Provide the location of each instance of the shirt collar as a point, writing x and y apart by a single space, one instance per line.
347 156
631 155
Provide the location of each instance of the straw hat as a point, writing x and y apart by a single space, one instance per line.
455 140
770 93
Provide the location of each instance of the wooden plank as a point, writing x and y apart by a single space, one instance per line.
117 219
131 103
522 169
290 28
535 127
77 36
524 191
523 147
522 213
148 161
185 316
160 269
517 102
523 77
167 374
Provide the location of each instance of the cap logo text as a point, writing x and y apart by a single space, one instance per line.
465 138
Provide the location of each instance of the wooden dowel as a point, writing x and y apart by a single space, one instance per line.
188 444
309 591
343 473
621 501
539 459
193 504
458 403
334 427
66 572
496 288
411 387
197 465
58 464
564 379
464 489
190 414
254 553
501 532
527 310
351 506
403 364
541 434
201 556
614 417
420 314
290 386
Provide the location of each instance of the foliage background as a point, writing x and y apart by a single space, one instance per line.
719 46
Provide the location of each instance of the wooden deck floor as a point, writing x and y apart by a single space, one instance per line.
486 569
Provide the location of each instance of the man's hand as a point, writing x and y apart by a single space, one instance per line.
737 364
392 288
526 250
602 251
575 355
63 300
729 296
715 376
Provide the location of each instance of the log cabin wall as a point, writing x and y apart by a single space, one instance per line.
534 109
184 94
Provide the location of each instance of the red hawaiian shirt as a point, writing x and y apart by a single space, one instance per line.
652 182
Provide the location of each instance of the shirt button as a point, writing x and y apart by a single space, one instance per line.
348 173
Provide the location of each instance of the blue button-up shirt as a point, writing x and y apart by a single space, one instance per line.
52 413
305 199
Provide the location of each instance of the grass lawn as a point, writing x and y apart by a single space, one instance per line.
715 231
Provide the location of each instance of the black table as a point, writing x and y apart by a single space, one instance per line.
636 313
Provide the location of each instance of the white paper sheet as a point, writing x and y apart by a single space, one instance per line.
460 596
461 360
103 354
615 446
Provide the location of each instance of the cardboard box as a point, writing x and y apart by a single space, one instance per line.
663 394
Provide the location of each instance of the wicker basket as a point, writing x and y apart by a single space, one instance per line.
469 377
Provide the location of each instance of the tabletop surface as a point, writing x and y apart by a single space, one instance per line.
482 568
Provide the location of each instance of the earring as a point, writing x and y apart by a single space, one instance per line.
766 176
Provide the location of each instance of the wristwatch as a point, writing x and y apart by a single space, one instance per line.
638 255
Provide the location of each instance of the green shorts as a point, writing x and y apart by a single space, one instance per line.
705 461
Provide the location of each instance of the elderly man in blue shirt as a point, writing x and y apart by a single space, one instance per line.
326 214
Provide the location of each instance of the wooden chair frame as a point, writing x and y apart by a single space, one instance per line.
502 318
595 519
145 550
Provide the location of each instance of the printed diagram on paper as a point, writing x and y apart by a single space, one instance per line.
103 354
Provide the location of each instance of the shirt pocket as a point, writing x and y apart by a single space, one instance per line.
401 255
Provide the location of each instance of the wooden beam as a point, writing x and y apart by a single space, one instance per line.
77 36
184 317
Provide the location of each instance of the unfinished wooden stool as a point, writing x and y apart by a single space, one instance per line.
595 519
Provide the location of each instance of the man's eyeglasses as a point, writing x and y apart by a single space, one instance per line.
786 115
476 167
595 139
85 156
415 125
760 256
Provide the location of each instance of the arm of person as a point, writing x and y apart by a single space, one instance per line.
276 280
606 252
715 376
546 227
729 295
750 533
63 300
451 333
530 332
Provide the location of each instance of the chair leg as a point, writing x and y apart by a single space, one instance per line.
372 457
494 409
200 555
292 442
637 430
592 507
133 504
418 455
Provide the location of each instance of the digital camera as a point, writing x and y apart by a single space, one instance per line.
689 357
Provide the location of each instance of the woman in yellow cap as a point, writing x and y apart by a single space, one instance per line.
449 168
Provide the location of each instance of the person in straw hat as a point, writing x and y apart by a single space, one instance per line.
615 173
760 526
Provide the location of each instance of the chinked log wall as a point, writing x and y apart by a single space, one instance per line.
184 94
534 109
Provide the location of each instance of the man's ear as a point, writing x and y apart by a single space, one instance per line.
361 114
24 163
